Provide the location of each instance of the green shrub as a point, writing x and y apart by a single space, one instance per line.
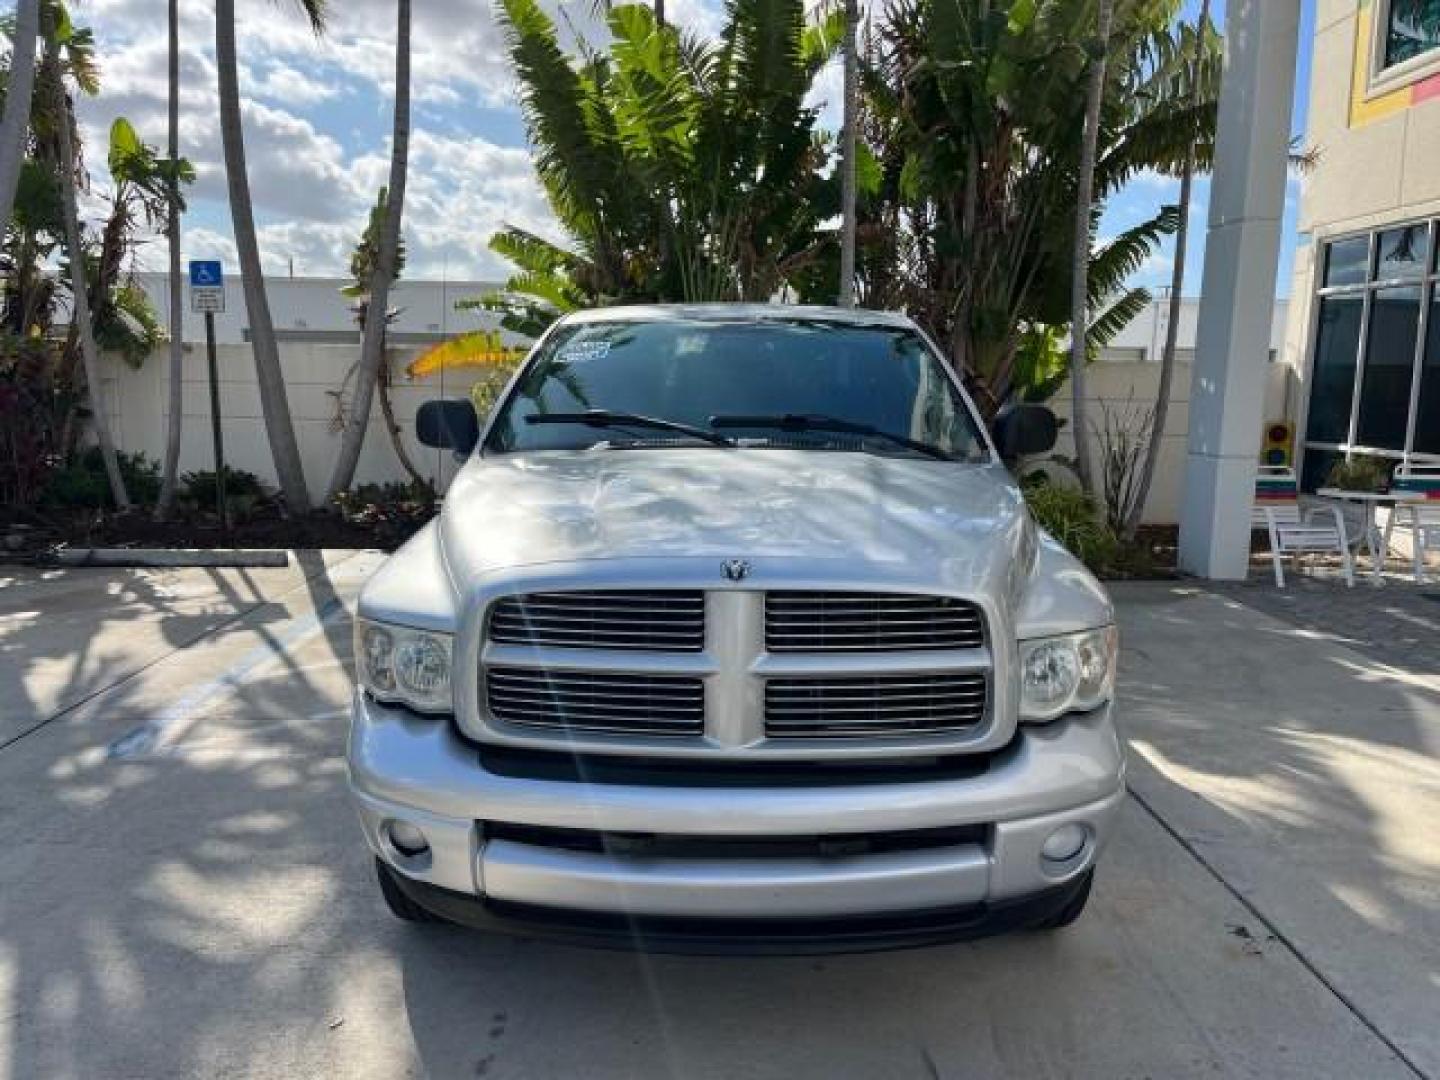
244 491
1363 472
1073 518
367 501
83 482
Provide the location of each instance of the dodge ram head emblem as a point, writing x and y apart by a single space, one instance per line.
735 569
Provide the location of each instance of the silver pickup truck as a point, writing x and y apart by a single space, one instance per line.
734 633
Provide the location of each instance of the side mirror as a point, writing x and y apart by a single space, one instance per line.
448 423
1025 429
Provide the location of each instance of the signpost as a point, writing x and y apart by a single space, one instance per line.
207 296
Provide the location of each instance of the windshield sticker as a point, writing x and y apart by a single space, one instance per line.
583 351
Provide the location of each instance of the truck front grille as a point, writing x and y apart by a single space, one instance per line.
869 622
668 620
615 703
846 707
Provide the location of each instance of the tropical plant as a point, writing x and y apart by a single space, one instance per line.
682 169
67 51
175 380
1121 436
384 268
975 111
28 435
142 187
274 402
19 89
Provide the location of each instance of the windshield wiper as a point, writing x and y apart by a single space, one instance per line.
804 422
604 418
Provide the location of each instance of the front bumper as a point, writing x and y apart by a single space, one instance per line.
418 771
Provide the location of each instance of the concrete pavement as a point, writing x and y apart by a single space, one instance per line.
186 893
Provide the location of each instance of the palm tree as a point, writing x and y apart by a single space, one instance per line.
681 168
847 157
383 272
1080 265
1172 328
176 386
974 125
16 122
60 34
274 402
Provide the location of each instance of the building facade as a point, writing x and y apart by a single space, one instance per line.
1364 330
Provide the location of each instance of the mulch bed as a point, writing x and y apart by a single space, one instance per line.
28 535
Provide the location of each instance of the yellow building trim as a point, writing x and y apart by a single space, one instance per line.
1366 110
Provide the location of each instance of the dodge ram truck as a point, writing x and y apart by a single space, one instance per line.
734 632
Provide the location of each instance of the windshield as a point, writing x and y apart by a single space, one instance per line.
767 375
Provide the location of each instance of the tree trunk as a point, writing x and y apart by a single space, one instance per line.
372 347
660 12
1080 282
1172 327
847 159
387 409
16 123
175 397
79 284
274 402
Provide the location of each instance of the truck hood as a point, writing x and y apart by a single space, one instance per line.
514 510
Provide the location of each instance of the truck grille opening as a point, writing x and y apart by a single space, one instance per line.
869 622
672 846
844 707
659 620
615 703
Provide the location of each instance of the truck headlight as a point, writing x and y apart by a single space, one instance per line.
1069 673
396 663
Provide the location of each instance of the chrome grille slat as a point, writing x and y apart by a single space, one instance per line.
832 707
869 622
650 620
609 702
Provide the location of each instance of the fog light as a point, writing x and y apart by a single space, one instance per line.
1065 843
407 839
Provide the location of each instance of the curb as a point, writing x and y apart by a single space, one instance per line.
157 558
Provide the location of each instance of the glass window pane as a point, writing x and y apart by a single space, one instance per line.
1389 368
1413 28
1427 422
690 370
1332 380
1402 252
1346 261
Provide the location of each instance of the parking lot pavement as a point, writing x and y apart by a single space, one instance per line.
186 894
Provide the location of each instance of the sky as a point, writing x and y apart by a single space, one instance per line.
317 116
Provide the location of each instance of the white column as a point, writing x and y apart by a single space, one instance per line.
1242 253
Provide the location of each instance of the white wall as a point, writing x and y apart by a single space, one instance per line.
313 373
1127 389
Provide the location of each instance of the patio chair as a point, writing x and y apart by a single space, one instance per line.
1421 518
1277 510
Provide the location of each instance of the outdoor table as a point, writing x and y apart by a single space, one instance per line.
1369 502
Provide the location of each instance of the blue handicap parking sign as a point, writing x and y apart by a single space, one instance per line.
206 275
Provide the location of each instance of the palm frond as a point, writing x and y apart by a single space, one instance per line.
479 348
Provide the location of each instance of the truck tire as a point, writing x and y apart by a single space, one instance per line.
1073 907
400 905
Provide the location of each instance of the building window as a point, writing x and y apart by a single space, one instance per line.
1375 364
1411 28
